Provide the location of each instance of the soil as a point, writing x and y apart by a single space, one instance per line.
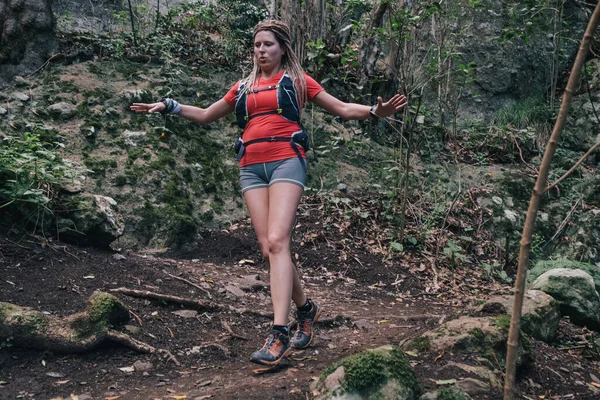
367 301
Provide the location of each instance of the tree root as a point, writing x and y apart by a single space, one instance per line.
200 305
77 333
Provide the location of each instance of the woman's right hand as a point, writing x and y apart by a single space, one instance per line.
148 108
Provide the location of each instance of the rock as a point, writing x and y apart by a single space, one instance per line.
252 283
19 81
133 138
186 313
142 366
540 313
546 265
575 291
3 111
380 373
342 187
76 186
234 290
132 328
451 393
118 257
363 324
483 336
95 221
474 387
20 96
62 110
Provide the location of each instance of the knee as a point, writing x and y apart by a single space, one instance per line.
278 242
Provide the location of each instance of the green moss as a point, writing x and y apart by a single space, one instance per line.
36 323
371 369
99 167
7 309
421 343
502 321
105 309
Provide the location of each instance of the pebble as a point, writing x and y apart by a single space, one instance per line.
20 96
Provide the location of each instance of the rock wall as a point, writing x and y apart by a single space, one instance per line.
26 36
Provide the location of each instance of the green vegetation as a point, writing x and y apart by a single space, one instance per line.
32 172
370 369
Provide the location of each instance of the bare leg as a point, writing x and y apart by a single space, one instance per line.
283 203
258 201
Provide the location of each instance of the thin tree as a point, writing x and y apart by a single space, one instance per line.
132 25
538 190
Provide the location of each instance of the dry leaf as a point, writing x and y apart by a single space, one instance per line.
62 382
74 396
296 390
183 396
596 384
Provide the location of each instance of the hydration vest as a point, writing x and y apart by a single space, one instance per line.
287 108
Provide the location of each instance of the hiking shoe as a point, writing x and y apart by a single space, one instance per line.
276 348
304 332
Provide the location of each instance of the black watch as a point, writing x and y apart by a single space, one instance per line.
372 112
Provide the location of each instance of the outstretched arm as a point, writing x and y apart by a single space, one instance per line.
195 114
358 111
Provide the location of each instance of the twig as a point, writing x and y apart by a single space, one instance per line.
189 283
219 346
564 222
128 341
551 370
582 159
198 304
231 332
45 64
139 320
18 245
252 312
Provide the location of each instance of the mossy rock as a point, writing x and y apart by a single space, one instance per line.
105 309
382 373
485 337
544 266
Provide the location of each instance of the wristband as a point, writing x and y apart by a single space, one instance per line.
171 106
372 112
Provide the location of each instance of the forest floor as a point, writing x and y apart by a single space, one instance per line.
367 302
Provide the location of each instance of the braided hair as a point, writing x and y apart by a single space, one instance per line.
289 60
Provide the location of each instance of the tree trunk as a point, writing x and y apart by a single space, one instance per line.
538 190
27 36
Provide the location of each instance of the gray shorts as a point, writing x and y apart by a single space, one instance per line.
263 175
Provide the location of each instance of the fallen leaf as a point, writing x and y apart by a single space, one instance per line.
112 398
74 396
89 277
183 396
596 384
296 390
383 321
62 382
2 383
209 281
412 353
55 374
127 369
446 382
44 363
594 378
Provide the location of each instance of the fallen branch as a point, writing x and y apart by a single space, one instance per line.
231 332
573 168
190 283
145 294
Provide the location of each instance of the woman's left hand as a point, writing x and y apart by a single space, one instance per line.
390 107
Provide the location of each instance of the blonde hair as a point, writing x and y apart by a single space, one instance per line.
289 60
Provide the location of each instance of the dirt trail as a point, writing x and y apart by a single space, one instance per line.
366 304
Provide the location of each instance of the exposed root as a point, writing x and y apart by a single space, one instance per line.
145 294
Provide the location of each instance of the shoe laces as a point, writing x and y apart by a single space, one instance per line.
271 339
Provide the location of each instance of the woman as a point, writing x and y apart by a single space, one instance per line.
268 104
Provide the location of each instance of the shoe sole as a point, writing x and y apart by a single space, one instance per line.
273 363
311 336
